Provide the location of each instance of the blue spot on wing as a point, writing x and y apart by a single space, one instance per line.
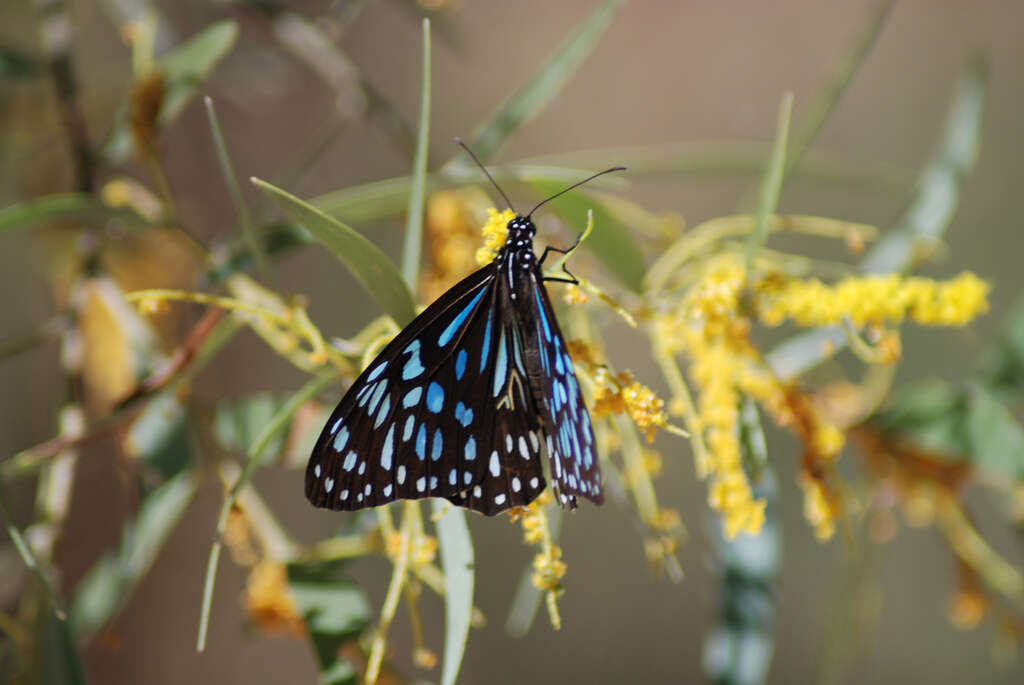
543 315
487 342
448 333
435 397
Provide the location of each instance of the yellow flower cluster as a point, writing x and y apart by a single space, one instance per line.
873 299
452 236
495 231
422 549
548 567
713 331
268 601
620 394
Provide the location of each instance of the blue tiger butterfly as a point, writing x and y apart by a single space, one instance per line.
461 403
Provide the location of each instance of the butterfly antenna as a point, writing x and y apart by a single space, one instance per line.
484 169
575 185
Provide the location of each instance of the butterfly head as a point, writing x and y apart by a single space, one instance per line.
518 247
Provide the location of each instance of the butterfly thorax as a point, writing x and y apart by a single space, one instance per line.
516 260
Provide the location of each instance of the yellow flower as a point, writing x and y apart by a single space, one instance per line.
548 569
268 601
873 299
495 231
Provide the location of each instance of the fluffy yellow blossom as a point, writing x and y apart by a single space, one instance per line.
644 407
874 299
495 231
268 601
548 569
452 236
713 329
620 394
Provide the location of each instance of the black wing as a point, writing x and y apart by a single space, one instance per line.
568 434
435 413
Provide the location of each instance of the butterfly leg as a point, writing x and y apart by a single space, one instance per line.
559 250
572 279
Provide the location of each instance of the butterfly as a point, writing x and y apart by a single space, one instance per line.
461 403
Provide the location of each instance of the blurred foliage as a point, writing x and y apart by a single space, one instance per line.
143 305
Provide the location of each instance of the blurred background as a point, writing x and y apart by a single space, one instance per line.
704 76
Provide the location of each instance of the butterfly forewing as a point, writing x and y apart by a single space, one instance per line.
424 419
568 434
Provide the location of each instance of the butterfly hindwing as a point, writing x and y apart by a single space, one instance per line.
568 434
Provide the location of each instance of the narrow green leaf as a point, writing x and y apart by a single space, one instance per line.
335 611
771 183
27 556
931 210
368 264
61 662
108 585
158 436
610 240
414 218
188 65
533 97
63 207
457 561
228 172
996 437
239 423
258 444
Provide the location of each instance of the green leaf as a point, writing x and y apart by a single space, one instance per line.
996 437
185 67
1001 368
610 241
368 264
238 423
17 66
107 586
931 210
60 660
931 415
158 436
63 207
533 97
335 611
771 182
457 561
414 217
